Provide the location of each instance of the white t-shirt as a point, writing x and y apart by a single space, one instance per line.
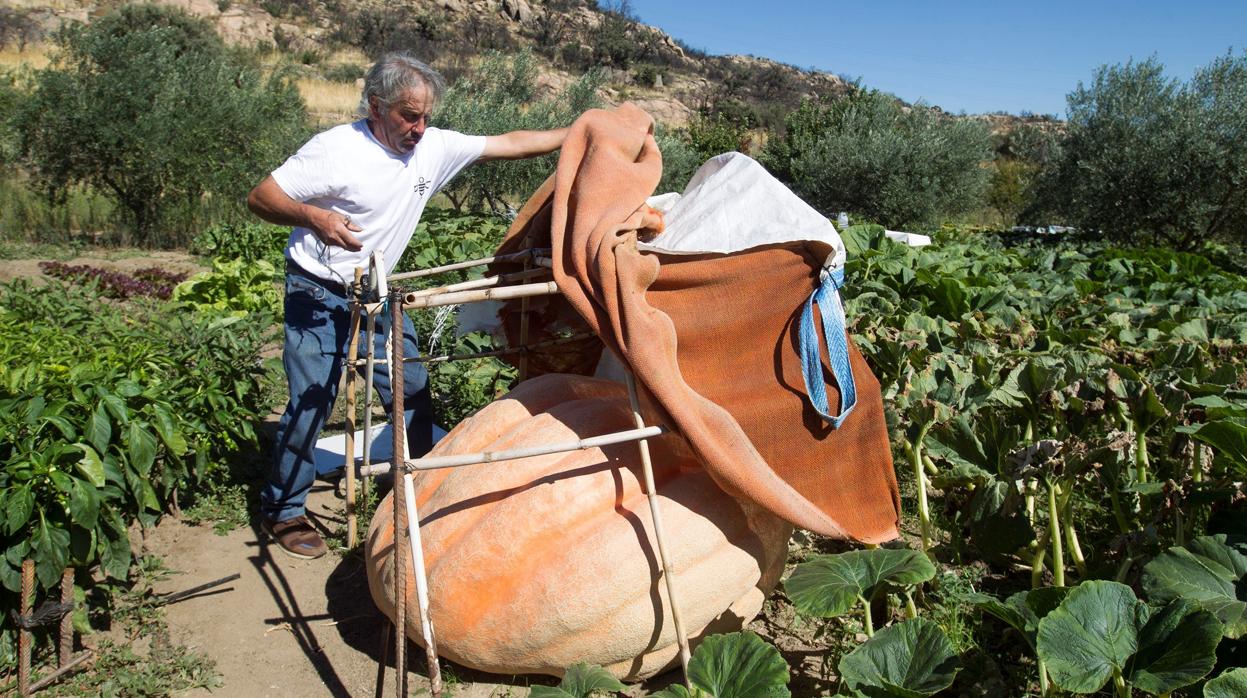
347 170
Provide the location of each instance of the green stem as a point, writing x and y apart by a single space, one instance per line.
1197 462
915 461
1054 535
929 464
869 622
1075 550
910 608
1123 691
1037 562
1141 462
1044 688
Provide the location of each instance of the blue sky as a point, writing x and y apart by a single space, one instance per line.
967 55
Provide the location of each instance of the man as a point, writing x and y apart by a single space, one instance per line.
348 192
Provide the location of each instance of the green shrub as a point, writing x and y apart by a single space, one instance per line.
1147 154
501 96
105 412
710 135
901 166
249 241
680 159
147 104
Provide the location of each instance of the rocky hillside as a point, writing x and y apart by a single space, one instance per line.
642 63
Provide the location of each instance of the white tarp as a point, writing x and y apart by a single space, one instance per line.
731 204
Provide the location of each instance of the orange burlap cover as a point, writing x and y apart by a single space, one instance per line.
711 338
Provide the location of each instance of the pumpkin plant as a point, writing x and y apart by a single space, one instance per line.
832 585
907 660
1102 632
735 665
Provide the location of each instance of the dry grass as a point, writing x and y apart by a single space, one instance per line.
329 101
35 56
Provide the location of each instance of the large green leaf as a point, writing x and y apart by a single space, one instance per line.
142 447
169 434
1230 684
580 681
1202 577
99 429
19 505
829 585
91 466
84 503
906 660
738 665
1091 634
1177 647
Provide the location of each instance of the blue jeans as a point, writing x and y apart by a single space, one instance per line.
317 328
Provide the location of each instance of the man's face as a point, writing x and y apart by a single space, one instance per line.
400 125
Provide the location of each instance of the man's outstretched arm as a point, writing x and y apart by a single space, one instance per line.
269 202
523 144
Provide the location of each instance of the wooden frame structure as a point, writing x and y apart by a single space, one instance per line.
372 294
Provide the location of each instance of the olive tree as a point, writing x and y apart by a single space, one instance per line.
150 106
1148 154
501 95
868 153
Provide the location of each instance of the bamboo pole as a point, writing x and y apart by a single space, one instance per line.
512 257
455 461
651 492
369 372
398 560
412 300
67 620
352 356
23 635
483 282
422 585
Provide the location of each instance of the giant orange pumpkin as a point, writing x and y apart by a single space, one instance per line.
538 563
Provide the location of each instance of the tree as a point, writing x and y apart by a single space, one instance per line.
868 153
149 105
1147 154
501 96
1022 154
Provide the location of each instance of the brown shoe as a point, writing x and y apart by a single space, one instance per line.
296 537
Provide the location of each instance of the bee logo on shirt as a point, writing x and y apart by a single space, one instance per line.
422 186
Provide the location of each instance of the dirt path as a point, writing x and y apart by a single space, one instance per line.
287 627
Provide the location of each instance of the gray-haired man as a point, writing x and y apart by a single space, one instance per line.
350 191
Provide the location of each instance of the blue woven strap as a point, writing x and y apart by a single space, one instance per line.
827 295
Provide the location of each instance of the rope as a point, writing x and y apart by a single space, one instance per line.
827 296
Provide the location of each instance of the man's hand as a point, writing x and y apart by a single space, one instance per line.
269 202
335 229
